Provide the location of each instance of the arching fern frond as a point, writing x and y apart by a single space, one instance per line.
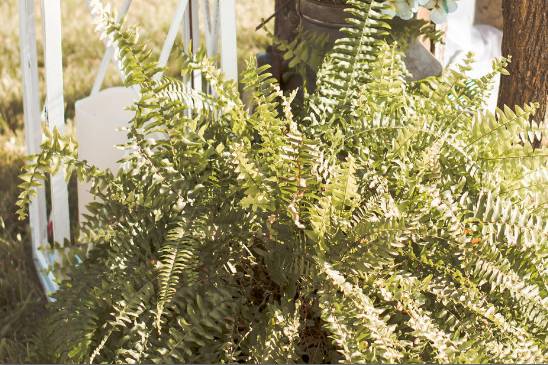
178 261
348 65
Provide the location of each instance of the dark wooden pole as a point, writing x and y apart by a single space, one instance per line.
285 28
526 40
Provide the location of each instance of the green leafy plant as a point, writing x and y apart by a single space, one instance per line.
390 222
305 53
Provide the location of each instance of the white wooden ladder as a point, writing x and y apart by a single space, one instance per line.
220 39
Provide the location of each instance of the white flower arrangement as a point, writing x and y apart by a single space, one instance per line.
439 9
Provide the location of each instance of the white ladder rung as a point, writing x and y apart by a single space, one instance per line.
171 35
229 51
109 52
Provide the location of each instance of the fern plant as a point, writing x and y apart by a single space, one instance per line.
390 221
305 53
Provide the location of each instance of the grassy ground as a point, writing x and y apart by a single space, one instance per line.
21 301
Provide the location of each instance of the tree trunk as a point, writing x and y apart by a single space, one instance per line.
526 40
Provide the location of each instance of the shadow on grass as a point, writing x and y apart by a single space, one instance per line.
22 303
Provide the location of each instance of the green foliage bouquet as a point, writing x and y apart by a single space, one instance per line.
389 221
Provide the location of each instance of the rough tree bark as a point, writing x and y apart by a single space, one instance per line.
526 40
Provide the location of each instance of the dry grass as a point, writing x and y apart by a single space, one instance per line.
21 301
83 50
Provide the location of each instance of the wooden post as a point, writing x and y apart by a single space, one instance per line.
191 38
286 24
437 49
55 111
33 136
526 40
227 30
212 27
194 19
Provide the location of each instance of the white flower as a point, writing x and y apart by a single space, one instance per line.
439 9
404 8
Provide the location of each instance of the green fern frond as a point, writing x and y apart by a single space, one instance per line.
278 343
178 259
358 329
348 65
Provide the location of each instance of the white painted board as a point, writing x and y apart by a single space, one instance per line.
33 136
55 111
